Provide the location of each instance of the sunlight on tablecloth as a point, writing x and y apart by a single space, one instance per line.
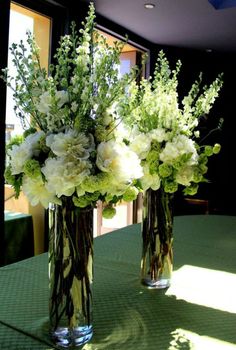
183 339
201 286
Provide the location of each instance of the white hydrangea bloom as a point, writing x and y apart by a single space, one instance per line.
32 141
180 145
119 160
36 192
71 143
141 145
185 175
159 135
19 154
63 175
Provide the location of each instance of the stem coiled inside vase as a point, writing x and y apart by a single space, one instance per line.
70 272
157 235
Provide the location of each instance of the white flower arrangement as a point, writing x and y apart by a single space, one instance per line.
70 147
164 133
93 135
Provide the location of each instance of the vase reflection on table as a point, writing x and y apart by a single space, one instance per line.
157 238
70 273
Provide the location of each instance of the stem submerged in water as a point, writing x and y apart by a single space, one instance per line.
71 265
157 234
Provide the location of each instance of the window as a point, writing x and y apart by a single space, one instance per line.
22 20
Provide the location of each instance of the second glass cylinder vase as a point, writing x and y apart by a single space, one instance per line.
157 239
70 273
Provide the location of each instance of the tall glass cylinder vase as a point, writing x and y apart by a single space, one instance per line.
157 239
70 273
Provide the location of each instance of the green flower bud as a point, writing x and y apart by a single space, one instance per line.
203 168
216 148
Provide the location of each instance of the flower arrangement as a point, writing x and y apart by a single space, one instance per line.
84 125
69 146
164 132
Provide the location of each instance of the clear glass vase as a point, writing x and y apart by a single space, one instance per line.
157 239
70 273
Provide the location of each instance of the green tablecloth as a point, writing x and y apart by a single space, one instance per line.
197 312
18 237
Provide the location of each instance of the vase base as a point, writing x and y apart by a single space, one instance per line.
161 283
67 338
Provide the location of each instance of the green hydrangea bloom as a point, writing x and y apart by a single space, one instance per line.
152 160
191 190
203 168
170 186
108 212
130 194
80 202
181 160
165 170
197 176
32 168
153 156
203 159
208 151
